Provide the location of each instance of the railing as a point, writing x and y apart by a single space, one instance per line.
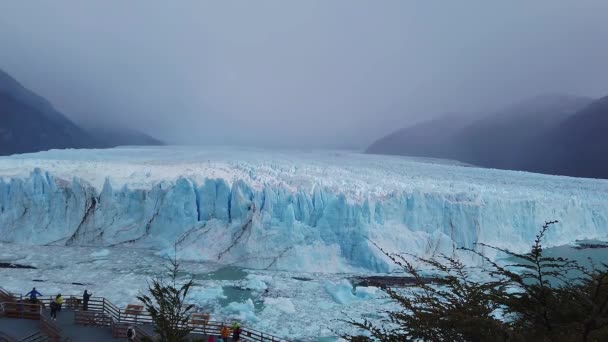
21 310
93 318
210 328
112 310
142 335
6 296
120 319
50 329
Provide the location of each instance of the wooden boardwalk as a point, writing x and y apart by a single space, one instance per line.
103 321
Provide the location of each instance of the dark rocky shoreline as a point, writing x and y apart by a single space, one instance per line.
389 281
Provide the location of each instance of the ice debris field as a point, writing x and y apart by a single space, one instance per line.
281 211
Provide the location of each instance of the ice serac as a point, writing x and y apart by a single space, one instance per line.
276 226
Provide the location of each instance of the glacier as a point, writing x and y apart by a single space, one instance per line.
305 211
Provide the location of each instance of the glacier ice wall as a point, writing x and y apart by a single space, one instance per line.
276 227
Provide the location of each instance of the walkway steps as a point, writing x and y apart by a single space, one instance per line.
6 337
36 337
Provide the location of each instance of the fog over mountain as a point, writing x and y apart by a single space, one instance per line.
298 74
30 123
577 146
554 134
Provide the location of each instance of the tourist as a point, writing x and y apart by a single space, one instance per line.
236 332
59 300
224 334
33 295
85 300
54 308
131 334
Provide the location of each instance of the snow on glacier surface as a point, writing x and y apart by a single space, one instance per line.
285 210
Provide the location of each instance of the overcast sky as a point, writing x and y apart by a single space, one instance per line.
326 73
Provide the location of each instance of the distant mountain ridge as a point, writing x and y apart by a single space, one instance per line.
547 134
30 123
24 129
578 146
425 139
501 139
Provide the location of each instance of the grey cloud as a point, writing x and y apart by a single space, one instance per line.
298 73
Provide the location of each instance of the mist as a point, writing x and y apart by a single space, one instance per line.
335 74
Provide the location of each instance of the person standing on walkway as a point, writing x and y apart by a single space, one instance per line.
85 300
236 332
54 308
33 295
131 334
59 300
225 334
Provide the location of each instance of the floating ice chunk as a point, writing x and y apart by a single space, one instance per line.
208 294
283 304
367 292
256 282
341 292
101 253
244 311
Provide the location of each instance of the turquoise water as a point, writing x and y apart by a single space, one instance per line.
585 256
232 293
327 339
237 294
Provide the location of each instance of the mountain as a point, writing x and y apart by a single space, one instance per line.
578 146
502 139
29 123
511 138
425 139
24 129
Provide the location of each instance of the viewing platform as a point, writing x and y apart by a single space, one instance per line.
102 321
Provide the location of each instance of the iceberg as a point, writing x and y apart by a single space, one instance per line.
300 211
281 304
341 292
243 311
